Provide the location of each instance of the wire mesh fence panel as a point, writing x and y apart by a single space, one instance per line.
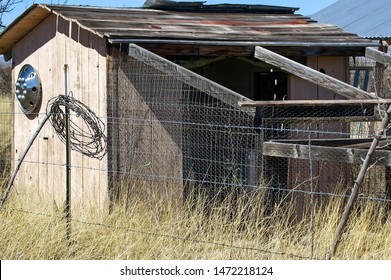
170 128
165 127
5 132
168 124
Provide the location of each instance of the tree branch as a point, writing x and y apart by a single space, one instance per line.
7 6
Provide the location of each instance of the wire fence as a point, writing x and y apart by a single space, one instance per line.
5 132
169 126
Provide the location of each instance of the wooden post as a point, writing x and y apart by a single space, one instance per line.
379 78
68 160
379 71
382 60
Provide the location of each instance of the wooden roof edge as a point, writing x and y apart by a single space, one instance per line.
361 44
36 13
9 36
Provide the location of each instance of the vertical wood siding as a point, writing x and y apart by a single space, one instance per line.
51 45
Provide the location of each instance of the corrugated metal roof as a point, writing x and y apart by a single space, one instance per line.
150 25
367 18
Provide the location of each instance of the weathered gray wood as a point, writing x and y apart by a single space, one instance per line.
332 154
378 56
331 102
333 142
244 48
311 75
233 49
20 161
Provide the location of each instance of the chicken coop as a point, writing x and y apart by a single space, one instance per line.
216 96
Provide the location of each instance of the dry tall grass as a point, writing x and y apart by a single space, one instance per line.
151 225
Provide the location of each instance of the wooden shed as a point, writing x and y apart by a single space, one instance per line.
116 58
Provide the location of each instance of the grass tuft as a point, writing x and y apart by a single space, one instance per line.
150 225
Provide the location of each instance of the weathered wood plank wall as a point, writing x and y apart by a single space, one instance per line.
51 45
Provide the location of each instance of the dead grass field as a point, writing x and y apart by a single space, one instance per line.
148 226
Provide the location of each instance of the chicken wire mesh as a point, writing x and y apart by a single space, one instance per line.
167 124
5 132
164 128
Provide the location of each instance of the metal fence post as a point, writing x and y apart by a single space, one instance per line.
68 160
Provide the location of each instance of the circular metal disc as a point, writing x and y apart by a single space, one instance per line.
28 89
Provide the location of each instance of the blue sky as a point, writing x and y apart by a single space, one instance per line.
307 7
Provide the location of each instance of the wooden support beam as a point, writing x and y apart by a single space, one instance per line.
331 102
312 113
378 56
311 75
383 60
334 142
331 154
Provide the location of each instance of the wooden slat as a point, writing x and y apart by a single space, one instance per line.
311 75
311 113
232 48
332 142
321 103
378 56
197 50
357 143
321 153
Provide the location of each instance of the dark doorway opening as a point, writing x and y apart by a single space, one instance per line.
270 85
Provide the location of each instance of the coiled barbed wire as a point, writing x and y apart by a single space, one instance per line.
86 137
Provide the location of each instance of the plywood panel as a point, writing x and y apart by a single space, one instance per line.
327 177
29 177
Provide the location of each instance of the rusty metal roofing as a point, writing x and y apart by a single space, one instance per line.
140 25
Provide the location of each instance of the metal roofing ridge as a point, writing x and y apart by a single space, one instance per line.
58 13
101 8
26 13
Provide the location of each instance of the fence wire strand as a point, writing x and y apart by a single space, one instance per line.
163 126
157 234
